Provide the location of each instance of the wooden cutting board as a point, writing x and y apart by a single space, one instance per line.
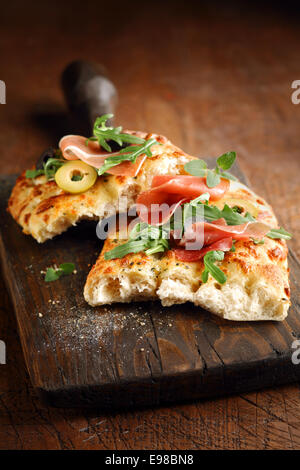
130 355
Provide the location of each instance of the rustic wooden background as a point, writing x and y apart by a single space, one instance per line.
212 78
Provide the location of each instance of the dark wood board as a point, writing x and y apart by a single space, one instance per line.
130 355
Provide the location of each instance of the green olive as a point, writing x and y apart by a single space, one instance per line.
76 177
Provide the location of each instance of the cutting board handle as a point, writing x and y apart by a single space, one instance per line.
88 92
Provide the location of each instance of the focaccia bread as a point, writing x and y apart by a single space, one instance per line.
257 286
44 210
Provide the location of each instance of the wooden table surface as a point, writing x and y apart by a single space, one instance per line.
211 78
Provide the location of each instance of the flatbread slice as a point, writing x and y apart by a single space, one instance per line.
257 286
44 210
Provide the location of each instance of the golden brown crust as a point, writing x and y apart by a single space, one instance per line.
44 210
257 286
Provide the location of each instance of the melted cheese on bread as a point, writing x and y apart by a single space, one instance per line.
44 210
257 286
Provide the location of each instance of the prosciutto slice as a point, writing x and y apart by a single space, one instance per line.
173 190
74 147
195 255
216 231
216 236
161 211
188 186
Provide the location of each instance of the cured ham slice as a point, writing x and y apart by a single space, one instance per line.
214 232
128 168
76 147
216 236
195 255
161 211
172 190
189 186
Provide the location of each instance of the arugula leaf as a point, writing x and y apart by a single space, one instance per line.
155 249
213 177
143 237
52 165
279 233
204 275
34 173
229 176
137 229
102 133
191 213
226 160
132 246
49 168
258 242
234 218
129 153
53 274
233 248
212 213
67 268
210 268
202 197
196 167
195 211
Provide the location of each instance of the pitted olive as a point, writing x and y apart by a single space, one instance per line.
75 176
